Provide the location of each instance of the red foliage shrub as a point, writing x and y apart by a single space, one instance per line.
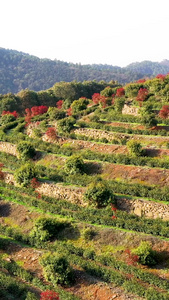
141 81
120 92
34 111
97 98
51 133
39 110
34 183
69 111
7 112
49 295
142 94
38 195
113 208
132 259
164 112
160 76
59 104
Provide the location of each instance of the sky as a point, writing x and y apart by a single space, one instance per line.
114 32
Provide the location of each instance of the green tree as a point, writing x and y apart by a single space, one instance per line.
145 253
118 104
148 120
10 102
46 229
66 124
5 119
64 90
24 174
134 148
57 269
98 194
79 105
26 150
28 99
74 165
55 113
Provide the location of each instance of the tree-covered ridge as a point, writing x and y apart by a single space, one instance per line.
19 71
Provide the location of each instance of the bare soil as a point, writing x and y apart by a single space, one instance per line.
134 174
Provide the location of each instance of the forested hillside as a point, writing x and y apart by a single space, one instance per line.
20 71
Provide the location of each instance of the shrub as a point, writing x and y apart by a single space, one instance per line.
51 133
26 150
57 269
94 118
89 254
66 124
134 148
74 165
145 253
7 119
118 104
79 105
89 234
56 113
31 296
149 120
24 174
49 295
99 194
46 229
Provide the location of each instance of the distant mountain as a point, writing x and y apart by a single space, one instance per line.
149 68
19 71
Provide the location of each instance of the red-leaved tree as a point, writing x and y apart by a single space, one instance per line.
51 133
69 111
7 112
59 104
34 183
164 112
160 76
120 92
99 99
35 111
142 94
141 80
49 295
131 258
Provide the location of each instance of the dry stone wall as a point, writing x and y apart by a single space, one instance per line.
95 133
139 207
130 110
73 195
148 209
8 148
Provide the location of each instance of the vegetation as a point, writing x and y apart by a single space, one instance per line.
82 173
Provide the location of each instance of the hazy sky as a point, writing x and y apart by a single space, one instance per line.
115 32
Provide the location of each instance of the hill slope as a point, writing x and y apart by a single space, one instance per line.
19 71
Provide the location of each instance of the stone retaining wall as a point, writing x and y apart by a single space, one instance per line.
8 148
73 195
139 207
130 110
95 133
144 208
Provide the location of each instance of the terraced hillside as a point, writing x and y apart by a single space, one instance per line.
84 193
